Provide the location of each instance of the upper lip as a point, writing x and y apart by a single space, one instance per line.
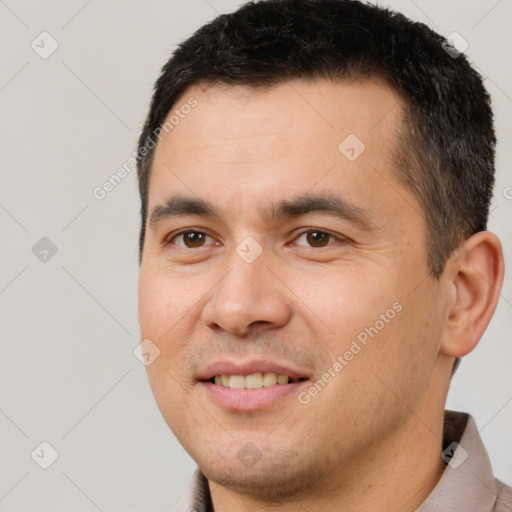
227 367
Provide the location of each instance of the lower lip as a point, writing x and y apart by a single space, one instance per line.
250 399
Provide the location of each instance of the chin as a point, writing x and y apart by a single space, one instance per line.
277 475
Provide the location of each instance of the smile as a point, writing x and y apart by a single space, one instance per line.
253 381
248 385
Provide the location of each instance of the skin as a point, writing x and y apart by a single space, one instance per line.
371 439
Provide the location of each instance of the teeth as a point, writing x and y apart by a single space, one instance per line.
237 382
253 381
269 379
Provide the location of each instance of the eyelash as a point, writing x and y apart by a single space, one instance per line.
169 240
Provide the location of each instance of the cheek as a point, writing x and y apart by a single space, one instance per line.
163 308
162 318
377 318
386 373
154 301
403 353
161 297
346 300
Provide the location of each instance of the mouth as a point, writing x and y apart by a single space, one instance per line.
254 380
250 385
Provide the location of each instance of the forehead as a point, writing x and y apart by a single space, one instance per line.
293 111
240 142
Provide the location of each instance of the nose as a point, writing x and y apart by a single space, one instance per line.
248 295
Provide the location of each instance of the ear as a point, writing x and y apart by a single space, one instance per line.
474 275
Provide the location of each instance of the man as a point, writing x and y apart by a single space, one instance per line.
315 179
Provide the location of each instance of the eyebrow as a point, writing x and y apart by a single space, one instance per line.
326 203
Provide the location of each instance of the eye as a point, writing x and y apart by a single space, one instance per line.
189 239
316 238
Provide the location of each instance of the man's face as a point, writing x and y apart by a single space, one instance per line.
275 282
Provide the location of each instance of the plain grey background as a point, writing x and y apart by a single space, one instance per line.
68 375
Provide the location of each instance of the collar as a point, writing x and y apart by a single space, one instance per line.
468 482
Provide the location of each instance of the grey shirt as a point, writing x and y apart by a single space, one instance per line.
467 484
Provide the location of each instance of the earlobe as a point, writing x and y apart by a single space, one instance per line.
476 280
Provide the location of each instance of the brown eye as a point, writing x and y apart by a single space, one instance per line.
190 239
316 238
